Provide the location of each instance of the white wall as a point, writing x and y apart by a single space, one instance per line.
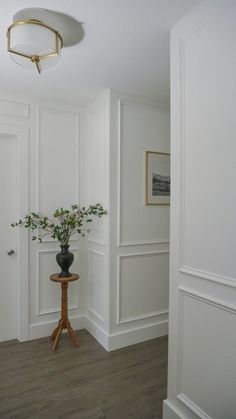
54 177
202 367
89 157
133 275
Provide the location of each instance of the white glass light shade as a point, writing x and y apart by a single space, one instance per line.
34 40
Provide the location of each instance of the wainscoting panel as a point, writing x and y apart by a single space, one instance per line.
58 159
213 182
197 371
142 286
14 109
96 284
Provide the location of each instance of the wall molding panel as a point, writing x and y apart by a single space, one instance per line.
12 108
101 292
97 242
211 302
133 318
144 316
181 43
45 131
120 241
208 276
143 243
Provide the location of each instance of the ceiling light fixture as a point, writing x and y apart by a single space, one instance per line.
32 43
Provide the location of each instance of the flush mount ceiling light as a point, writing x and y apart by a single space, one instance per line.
31 43
36 36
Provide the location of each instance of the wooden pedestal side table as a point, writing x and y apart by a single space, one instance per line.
64 322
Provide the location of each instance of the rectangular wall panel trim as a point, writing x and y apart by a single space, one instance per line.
14 109
40 109
120 242
90 309
143 242
209 276
99 242
146 315
220 304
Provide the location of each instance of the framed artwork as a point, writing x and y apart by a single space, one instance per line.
157 178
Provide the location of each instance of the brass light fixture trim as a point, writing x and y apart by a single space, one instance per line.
35 58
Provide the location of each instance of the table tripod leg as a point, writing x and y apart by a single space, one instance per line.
55 332
57 337
72 334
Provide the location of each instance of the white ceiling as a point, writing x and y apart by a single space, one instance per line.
125 47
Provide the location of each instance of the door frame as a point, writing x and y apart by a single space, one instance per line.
21 134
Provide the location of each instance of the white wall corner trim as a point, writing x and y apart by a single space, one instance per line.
97 332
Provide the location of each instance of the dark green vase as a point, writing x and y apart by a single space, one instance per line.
65 260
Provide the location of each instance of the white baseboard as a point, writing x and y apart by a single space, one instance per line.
126 337
97 332
109 342
172 412
137 335
41 330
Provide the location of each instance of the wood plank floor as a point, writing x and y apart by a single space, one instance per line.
82 383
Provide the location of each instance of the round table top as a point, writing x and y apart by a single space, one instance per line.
57 278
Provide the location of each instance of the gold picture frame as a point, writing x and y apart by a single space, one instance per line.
157 182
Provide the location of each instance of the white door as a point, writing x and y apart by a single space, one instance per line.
8 237
13 243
